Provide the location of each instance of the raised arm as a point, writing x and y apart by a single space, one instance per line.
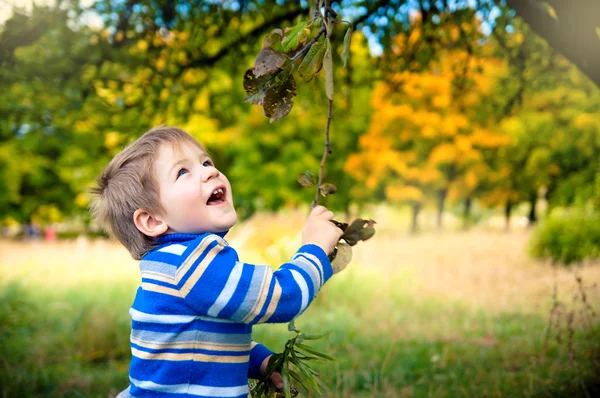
215 283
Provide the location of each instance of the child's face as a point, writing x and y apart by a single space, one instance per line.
195 196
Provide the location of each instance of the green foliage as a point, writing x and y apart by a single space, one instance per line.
567 239
294 366
74 95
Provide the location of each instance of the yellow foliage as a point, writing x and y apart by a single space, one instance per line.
201 103
182 58
519 38
400 192
160 64
48 213
441 101
454 33
164 94
142 46
111 139
428 175
444 153
471 179
463 144
82 200
414 37
585 121
487 139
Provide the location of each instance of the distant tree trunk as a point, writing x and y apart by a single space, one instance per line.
507 211
532 212
416 208
467 213
441 202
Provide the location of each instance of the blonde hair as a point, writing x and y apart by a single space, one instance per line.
128 183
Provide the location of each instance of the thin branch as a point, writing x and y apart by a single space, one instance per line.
244 38
326 152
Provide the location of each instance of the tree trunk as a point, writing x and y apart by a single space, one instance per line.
532 213
416 208
467 214
441 202
507 211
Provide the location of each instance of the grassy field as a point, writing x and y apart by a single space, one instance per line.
436 315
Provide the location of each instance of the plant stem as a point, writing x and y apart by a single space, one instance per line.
326 151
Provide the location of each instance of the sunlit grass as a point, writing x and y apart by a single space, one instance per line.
454 314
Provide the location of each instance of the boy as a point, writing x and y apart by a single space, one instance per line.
192 316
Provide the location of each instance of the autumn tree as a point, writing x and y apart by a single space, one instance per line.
426 137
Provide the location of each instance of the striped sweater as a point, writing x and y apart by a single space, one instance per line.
192 315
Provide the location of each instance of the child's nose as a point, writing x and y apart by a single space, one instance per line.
210 172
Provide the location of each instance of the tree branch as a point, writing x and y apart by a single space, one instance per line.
245 38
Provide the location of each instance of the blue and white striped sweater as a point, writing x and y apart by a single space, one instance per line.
192 316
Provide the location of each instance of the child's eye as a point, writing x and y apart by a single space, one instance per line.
181 172
207 163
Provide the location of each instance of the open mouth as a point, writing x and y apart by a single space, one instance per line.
217 197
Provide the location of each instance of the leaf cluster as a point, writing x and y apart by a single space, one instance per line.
294 366
270 83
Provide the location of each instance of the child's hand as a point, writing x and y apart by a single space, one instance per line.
319 231
275 376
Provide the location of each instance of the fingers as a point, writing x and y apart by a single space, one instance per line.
277 380
318 210
322 212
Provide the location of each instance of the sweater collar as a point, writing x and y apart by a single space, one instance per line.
177 237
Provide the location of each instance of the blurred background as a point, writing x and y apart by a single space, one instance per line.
469 130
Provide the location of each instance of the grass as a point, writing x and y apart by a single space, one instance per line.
437 315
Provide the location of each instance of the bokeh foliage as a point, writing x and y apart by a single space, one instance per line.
463 104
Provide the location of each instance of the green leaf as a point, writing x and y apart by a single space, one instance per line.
315 336
328 65
309 375
314 352
285 375
294 36
312 61
346 50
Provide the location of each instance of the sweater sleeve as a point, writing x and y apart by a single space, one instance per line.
216 284
258 353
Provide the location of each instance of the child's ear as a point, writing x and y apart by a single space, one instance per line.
149 224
